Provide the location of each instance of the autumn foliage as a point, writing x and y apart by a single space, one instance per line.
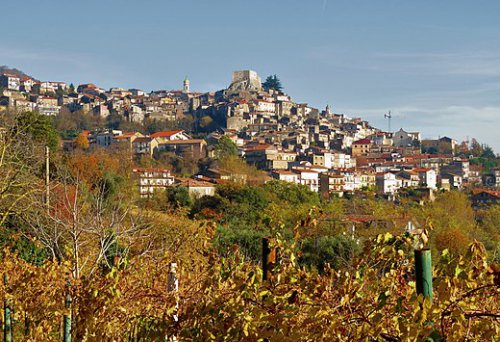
344 268
226 298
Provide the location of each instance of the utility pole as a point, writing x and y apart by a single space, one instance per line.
47 178
388 116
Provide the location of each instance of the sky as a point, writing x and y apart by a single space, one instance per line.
434 64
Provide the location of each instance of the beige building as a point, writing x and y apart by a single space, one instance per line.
361 147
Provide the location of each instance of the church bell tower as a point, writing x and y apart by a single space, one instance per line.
185 87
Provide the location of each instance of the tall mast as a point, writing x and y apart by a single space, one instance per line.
388 116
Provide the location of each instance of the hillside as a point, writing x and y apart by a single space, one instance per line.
7 70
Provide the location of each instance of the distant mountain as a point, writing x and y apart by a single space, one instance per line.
5 69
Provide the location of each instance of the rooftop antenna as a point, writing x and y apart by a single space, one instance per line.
388 116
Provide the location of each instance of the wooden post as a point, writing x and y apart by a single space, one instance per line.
423 272
7 321
268 259
67 316
173 286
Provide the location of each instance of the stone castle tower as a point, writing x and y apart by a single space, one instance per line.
245 80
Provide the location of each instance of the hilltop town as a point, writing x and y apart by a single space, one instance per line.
330 153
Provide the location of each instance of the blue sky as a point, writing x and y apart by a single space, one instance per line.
435 64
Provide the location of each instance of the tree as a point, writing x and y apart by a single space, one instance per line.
178 196
475 148
82 141
225 147
293 194
87 216
20 156
338 251
241 171
488 152
272 82
39 127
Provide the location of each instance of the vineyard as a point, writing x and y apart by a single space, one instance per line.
83 258
226 298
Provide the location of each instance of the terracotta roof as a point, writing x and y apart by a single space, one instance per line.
304 170
179 142
150 169
360 218
165 134
283 172
126 135
258 147
142 139
362 142
495 193
189 182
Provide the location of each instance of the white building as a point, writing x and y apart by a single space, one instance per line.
153 179
428 177
197 188
47 109
286 175
308 178
10 81
265 106
387 183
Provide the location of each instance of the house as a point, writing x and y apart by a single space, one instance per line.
455 180
137 92
387 183
308 178
101 111
44 100
259 155
381 139
219 175
286 176
331 183
427 177
135 113
10 81
443 145
196 188
47 109
475 172
105 138
24 105
126 139
263 106
492 179
361 147
27 84
151 180
408 178
48 87
170 135
459 167
485 197
193 149
144 146
268 157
